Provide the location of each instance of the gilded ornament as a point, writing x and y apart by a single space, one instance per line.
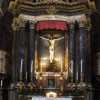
52 10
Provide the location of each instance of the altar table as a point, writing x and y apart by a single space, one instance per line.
45 98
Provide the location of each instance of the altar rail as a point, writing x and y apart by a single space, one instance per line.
24 97
44 98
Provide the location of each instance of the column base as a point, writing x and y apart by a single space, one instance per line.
12 95
89 95
89 92
1 89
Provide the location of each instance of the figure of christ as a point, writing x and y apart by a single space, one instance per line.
51 46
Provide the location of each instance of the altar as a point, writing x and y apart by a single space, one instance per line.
45 98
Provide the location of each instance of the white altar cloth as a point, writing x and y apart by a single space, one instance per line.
45 98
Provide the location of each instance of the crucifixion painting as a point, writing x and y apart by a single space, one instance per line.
51 46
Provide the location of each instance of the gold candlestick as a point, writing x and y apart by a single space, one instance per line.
82 85
31 84
21 83
21 76
73 86
31 76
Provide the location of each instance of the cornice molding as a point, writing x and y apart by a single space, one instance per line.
68 19
19 6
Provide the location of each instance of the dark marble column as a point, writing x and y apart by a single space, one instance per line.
0 32
21 49
1 28
11 89
71 46
15 30
88 58
76 49
31 49
81 48
11 94
1 94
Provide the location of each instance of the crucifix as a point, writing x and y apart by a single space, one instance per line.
51 46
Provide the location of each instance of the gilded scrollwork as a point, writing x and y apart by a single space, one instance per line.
52 10
12 6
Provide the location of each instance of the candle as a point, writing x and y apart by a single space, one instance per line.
1 83
81 65
77 76
21 65
26 75
31 66
72 65
61 66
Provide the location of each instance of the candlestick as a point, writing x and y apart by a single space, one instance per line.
41 65
31 66
21 65
1 83
81 65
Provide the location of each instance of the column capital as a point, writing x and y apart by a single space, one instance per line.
89 22
21 22
15 24
71 25
81 23
88 28
32 24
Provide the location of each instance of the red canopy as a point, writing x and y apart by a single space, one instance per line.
51 24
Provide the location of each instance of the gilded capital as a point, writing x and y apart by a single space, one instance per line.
71 25
21 22
15 24
81 24
88 28
32 24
